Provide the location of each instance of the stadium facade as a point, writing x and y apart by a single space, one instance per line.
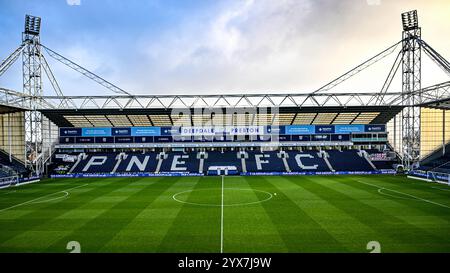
320 132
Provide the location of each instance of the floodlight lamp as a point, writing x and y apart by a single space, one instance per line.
410 20
32 24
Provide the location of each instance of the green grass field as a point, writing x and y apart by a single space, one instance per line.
259 214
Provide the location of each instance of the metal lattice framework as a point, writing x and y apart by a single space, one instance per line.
428 94
411 81
32 86
411 96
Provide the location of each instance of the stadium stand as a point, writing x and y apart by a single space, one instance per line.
350 160
441 164
180 162
11 166
382 160
137 162
264 162
200 162
94 163
310 161
222 158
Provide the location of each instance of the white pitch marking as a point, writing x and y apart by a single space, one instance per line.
175 198
440 189
9 192
410 195
52 199
33 200
380 191
221 221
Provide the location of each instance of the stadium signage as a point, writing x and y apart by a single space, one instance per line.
299 129
95 131
374 128
104 140
347 129
85 140
148 174
145 131
324 129
245 130
124 139
209 131
106 135
121 131
66 157
197 131
70 132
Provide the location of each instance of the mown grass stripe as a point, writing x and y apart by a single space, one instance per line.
307 214
299 231
195 228
95 233
394 232
412 211
146 231
346 229
415 206
43 215
19 194
248 228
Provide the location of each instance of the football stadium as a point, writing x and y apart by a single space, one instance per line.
321 172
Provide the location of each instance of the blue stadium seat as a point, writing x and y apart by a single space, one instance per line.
14 163
136 162
216 158
96 163
180 162
255 161
348 160
264 162
306 161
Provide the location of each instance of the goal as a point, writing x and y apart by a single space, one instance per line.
8 181
439 177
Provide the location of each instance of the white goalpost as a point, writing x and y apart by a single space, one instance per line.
438 177
8 181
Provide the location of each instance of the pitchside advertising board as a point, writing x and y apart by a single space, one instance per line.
215 133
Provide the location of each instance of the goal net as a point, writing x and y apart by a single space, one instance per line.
439 177
8 181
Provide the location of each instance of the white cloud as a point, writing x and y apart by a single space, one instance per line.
74 83
255 46
251 44
373 2
273 46
73 2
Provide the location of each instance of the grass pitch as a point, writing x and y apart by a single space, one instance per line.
244 214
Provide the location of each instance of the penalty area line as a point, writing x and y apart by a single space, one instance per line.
410 195
35 199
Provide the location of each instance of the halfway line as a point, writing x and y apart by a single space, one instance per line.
221 220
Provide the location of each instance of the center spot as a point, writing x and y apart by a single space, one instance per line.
231 197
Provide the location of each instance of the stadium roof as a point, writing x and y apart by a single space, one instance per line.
439 104
5 109
226 116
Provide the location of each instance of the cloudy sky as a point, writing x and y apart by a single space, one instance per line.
221 46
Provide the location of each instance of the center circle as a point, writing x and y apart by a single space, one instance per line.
213 197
